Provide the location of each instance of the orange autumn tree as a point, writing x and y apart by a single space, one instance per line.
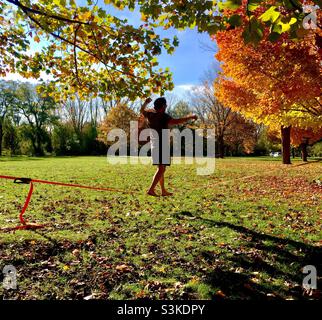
304 137
278 80
119 117
301 138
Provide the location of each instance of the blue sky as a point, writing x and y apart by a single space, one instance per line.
190 60
188 63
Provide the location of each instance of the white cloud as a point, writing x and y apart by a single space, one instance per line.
181 91
185 87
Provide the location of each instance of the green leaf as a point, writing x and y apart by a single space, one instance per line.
72 3
175 41
154 61
293 4
277 28
101 13
213 28
235 20
253 4
318 2
270 15
274 36
253 32
283 25
230 4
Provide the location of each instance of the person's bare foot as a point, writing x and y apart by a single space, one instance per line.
151 193
166 194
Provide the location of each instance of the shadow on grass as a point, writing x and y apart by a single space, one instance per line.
256 266
281 260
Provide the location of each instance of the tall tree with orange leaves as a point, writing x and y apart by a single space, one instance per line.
276 81
304 137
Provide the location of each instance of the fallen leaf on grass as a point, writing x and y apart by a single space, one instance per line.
90 297
141 294
66 268
319 243
76 252
222 244
220 294
123 268
255 280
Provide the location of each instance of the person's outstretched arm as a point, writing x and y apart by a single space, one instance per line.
173 122
144 105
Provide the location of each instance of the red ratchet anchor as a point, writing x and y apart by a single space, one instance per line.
24 225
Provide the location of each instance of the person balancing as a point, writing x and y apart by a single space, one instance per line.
158 120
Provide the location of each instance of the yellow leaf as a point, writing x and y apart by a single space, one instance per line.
65 267
123 268
144 17
37 39
85 15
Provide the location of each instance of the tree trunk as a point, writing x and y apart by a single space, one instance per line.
39 151
37 144
293 153
286 144
1 136
304 151
221 146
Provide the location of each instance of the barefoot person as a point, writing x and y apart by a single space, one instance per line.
159 120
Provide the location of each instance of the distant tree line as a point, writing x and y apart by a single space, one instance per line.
32 123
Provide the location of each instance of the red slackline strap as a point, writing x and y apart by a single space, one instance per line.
31 189
66 184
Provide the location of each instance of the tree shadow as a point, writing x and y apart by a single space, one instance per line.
280 260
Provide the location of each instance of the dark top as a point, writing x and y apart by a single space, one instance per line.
157 120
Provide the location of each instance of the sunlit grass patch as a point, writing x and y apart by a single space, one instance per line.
243 232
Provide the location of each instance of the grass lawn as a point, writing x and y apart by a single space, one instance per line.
244 232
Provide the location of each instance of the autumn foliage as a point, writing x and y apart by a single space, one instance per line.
307 136
277 83
87 50
119 117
